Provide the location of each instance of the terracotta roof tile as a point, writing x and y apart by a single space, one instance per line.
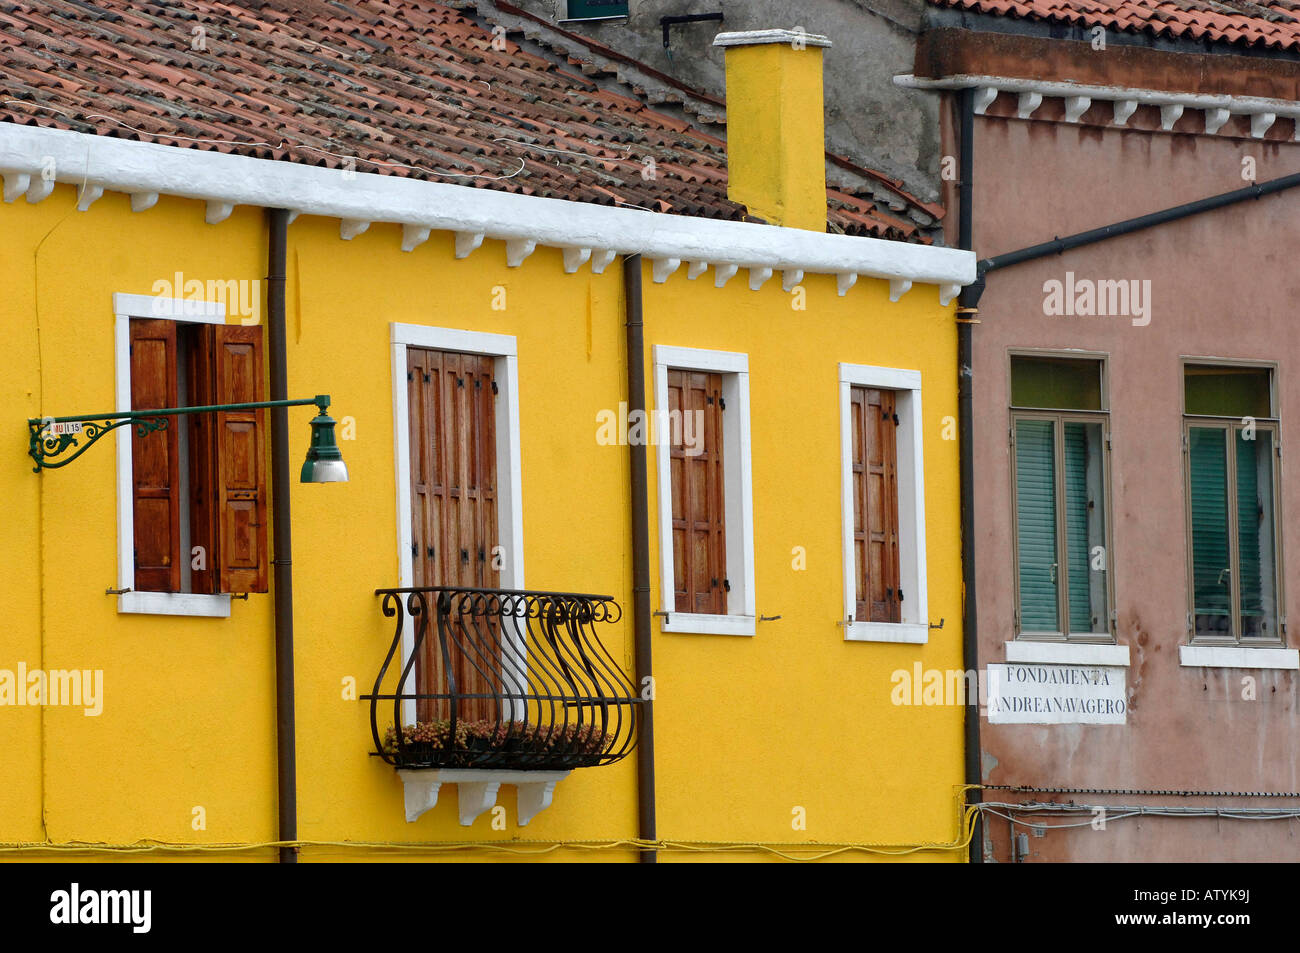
1273 25
403 87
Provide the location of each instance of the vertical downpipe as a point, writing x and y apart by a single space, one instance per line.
645 749
282 545
967 303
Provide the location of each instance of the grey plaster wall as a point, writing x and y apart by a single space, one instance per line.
868 119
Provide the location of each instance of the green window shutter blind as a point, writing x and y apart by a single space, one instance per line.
1248 515
1036 525
1207 460
1076 525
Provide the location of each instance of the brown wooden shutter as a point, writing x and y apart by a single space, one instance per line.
875 505
452 414
699 520
238 490
155 459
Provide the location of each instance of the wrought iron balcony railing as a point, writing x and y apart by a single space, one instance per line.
500 678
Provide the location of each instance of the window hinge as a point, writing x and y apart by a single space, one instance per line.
1189 622
726 584
1108 446
1184 443
722 403
900 595
494 388
410 377
895 416
415 549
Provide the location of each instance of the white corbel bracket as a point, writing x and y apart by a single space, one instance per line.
517 249
984 96
1075 107
413 236
722 273
575 258
759 277
16 183
477 790
898 287
350 228
1170 114
1029 101
791 278
696 268
143 201
844 281
218 212
1123 110
466 242
1215 119
948 291
87 195
1260 123
600 260
663 267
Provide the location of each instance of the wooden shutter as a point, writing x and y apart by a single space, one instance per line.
230 460
155 459
699 522
875 505
452 416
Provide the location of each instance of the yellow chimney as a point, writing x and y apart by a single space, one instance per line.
776 152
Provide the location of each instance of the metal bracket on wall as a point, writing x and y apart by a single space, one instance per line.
666 22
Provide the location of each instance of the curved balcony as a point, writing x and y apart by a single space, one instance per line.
500 679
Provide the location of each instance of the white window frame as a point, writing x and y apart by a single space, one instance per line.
510 503
126 307
737 477
915 609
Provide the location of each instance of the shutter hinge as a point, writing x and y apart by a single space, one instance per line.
464 555
722 403
1108 446
708 399
478 383
726 584
1184 443
494 388
430 550
428 378
415 549
481 556
410 377
460 382
900 595
895 416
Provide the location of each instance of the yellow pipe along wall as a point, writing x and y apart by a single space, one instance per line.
751 733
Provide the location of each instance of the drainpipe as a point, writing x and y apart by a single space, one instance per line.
966 310
645 749
286 755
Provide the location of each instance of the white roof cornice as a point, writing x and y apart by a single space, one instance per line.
1079 96
588 232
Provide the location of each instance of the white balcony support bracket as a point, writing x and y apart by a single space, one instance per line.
1075 107
1169 115
663 267
87 195
218 212
413 236
535 797
466 242
517 249
948 291
1260 123
984 96
600 260
791 278
39 190
1029 101
1215 120
421 789
16 183
476 798
844 281
696 268
759 277
1124 109
898 287
477 790
293 215
143 201
350 228
575 258
722 273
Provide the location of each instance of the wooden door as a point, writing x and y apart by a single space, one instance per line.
454 540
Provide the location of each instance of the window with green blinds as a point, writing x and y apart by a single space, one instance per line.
1060 525
1036 525
1234 551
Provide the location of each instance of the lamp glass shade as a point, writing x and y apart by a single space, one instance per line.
324 463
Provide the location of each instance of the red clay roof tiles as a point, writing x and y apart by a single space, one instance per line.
400 87
1271 24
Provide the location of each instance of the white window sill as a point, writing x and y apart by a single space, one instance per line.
913 633
1066 653
175 603
700 623
1229 656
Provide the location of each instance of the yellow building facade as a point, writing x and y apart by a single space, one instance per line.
780 735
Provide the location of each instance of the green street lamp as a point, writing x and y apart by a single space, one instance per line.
56 441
